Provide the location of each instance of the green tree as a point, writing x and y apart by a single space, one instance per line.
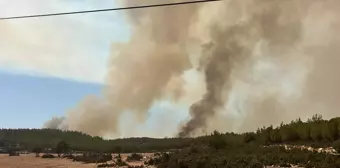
249 137
37 151
62 147
217 141
264 135
288 134
336 145
316 118
118 149
303 131
329 131
316 131
336 121
275 135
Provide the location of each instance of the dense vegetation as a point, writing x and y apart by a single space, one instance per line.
33 139
251 149
315 130
215 150
134 157
245 157
92 158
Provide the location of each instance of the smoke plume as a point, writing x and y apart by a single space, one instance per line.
141 71
263 61
288 71
269 22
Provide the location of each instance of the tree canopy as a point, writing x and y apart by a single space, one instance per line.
314 131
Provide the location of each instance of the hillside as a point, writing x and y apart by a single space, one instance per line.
315 130
217 149
27 139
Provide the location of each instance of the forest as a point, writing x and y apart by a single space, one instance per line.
29 139
214 150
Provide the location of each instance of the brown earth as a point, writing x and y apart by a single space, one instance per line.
30 161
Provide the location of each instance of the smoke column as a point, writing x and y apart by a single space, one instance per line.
140 72
285 66
263 61
232 45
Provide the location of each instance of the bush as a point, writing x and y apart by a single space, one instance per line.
217 141
106 165
336 145
13 154
249 157
47 156
136 166
93 158
316 132
68 156
275 136
249 137
134 157
62 147
121 163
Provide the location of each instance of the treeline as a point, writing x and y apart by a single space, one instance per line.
250 156
28 139
255 150
315 131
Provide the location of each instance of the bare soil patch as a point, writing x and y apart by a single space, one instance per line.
30 161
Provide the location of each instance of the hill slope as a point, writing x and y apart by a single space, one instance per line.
48 138
314 131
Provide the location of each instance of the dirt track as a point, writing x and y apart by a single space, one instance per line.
29 161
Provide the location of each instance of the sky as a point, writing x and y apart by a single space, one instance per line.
47 65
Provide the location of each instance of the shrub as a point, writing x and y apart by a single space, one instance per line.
256 164
68 156
217 141
93 158
303 131
336 145
275 135
136 166
62 147
106 165
47 156
13 154
121 163
37 151
249 137
316 132
134 157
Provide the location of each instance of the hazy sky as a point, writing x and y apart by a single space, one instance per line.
71 47
47 65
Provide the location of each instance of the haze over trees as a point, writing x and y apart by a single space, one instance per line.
314 131
217 149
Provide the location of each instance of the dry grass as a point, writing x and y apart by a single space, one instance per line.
30 161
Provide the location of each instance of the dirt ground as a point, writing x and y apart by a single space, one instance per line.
29 161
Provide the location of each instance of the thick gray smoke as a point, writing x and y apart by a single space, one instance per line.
276 23
141 71
264 61
288 71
